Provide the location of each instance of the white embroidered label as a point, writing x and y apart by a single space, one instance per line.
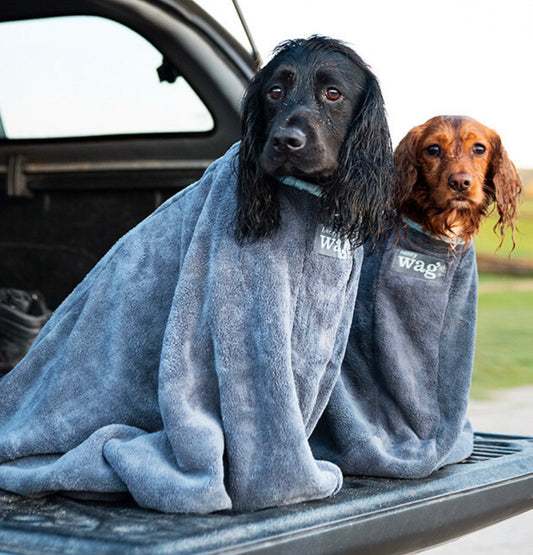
419 265
330 244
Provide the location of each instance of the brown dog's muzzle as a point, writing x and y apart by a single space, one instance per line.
460 182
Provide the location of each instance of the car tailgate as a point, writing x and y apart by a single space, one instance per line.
369 514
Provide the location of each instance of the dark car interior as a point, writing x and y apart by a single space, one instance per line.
98 154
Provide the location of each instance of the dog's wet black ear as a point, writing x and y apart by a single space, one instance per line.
252 120
363 190
258 211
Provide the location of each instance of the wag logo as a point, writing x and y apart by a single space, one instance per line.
419 265
330 244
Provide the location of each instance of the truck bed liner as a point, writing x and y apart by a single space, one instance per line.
369 515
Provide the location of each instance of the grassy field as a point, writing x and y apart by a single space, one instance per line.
504 345
487 241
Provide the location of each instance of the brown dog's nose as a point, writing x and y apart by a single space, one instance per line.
460 181
291 138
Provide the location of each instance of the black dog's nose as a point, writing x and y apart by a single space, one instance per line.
291 138
460 181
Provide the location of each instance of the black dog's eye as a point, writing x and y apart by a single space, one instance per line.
333 94
432 150
478 149
275 93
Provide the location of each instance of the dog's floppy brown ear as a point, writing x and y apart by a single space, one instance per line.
505 186
406 166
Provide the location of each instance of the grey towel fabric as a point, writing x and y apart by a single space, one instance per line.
186 369
398 409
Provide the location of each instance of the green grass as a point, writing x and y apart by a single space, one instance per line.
504 344
487 241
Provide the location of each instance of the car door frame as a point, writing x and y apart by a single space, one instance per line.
212 62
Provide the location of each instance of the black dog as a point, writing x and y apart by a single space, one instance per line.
316 112
189 368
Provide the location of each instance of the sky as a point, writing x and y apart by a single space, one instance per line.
464 57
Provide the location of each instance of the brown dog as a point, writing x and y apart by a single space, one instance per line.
451 171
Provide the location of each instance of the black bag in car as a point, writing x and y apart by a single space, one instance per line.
22 315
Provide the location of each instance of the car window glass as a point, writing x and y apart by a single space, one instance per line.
82 76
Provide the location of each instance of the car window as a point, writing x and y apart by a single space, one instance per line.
83 76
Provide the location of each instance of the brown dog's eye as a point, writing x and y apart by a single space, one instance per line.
275 93
433 150
478 149
333 94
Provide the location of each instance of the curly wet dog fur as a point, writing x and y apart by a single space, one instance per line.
315 112
452 170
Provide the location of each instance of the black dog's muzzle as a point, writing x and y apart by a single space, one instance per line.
288 139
